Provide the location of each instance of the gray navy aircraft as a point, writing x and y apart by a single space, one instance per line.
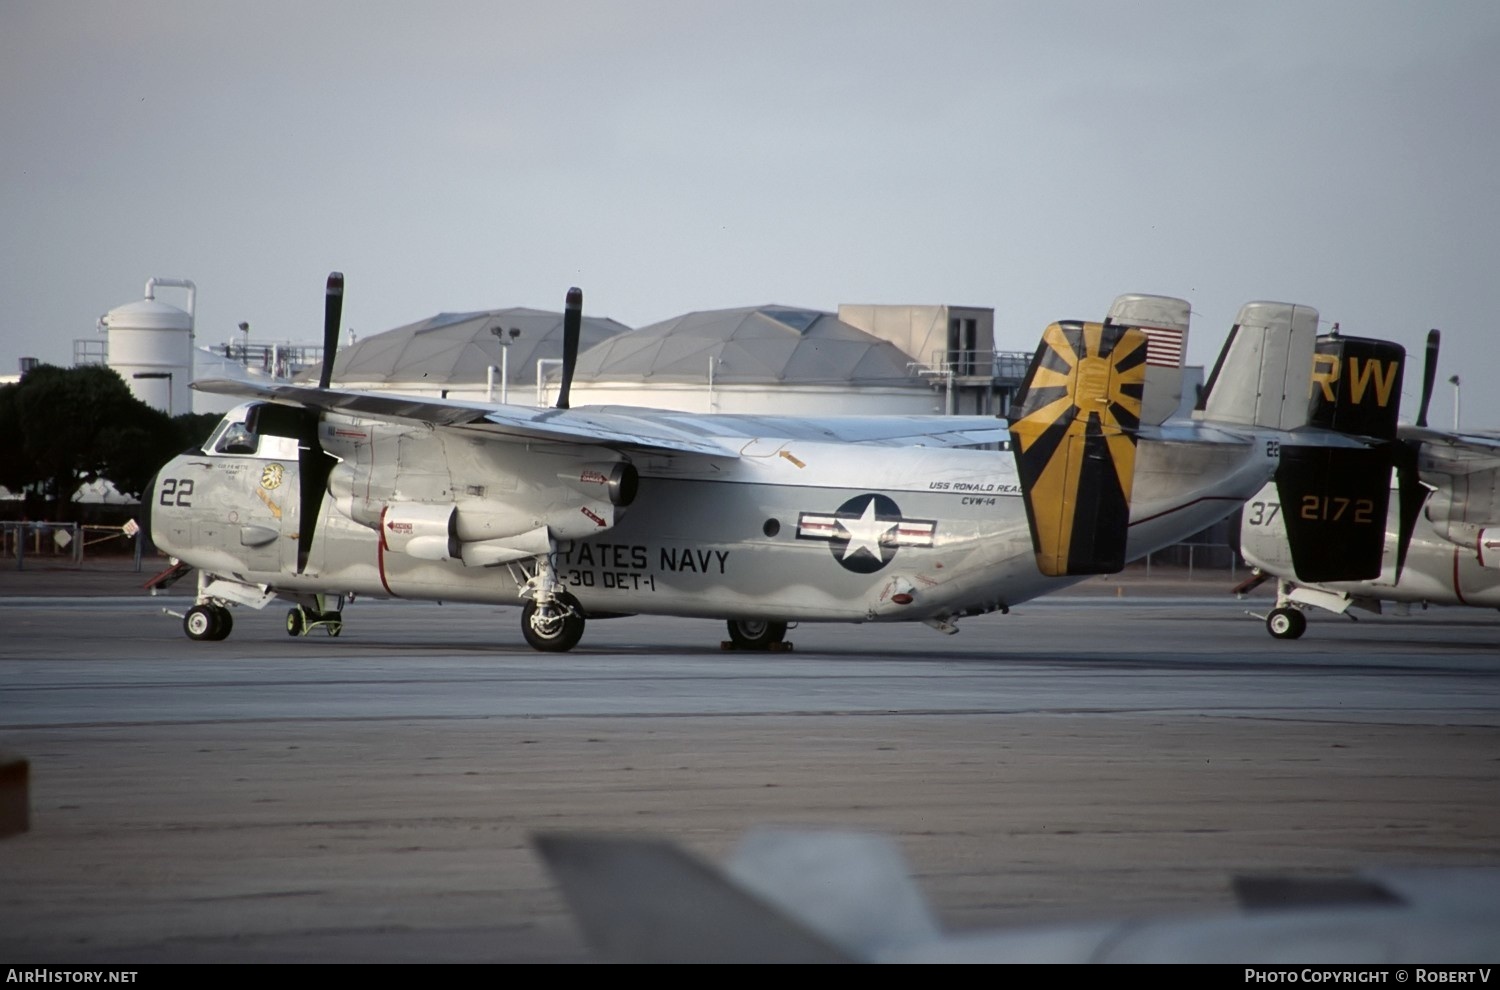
1441 538
318 495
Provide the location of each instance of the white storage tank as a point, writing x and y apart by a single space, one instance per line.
151 346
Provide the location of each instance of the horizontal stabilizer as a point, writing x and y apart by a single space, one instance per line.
1074 428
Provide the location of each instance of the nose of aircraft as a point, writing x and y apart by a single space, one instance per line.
149 496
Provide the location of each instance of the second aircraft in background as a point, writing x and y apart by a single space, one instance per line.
1442 541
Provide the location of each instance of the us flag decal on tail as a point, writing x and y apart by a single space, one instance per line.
1163 347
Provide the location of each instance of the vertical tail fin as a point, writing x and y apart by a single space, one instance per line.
1164 321
1073 428
1262 375
1335 499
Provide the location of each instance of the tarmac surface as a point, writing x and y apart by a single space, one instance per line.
1124 748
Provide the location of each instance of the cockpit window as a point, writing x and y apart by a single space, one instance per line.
249 432
237 439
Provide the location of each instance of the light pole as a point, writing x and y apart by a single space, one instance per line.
1455 383
500 335
159 375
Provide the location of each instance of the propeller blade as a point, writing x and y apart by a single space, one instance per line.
1429 374
314 464
1411 495
333 314
572 321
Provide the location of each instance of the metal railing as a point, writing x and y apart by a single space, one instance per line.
1004 366
1197 556
65 543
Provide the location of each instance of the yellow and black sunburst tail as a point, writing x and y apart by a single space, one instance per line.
1073 428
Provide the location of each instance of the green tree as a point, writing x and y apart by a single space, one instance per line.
63 428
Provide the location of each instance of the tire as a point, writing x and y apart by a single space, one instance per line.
200 623
755 634
225 620
296 623
553 633
1286 623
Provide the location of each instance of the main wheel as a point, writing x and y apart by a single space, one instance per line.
556 628
1286 623
296 622
755 634
201 623
225 621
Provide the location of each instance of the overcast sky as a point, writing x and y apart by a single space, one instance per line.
673 155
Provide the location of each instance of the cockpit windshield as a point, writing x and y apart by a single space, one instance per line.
237 436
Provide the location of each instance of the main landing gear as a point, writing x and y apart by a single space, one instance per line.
552 626
209 621
756 634
1286 623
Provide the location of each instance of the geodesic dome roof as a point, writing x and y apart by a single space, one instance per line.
459 348
752 346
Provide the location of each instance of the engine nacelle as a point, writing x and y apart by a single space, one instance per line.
429 532
1489 548
477 500
616 482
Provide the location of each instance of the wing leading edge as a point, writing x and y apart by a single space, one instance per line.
630 428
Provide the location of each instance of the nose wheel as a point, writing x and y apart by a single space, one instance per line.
302 620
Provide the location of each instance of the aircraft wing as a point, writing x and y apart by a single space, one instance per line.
627 427
511 422
1478 443
902 431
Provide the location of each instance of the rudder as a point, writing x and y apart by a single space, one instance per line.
1334 499
1073 430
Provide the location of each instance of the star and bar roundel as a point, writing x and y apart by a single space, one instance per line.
865 532
1074 429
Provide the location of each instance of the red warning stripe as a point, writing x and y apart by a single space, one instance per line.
1163 347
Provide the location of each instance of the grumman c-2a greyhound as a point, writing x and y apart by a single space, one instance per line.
1441 545
318 494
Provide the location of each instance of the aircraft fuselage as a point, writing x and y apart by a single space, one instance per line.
787 530
1437 570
